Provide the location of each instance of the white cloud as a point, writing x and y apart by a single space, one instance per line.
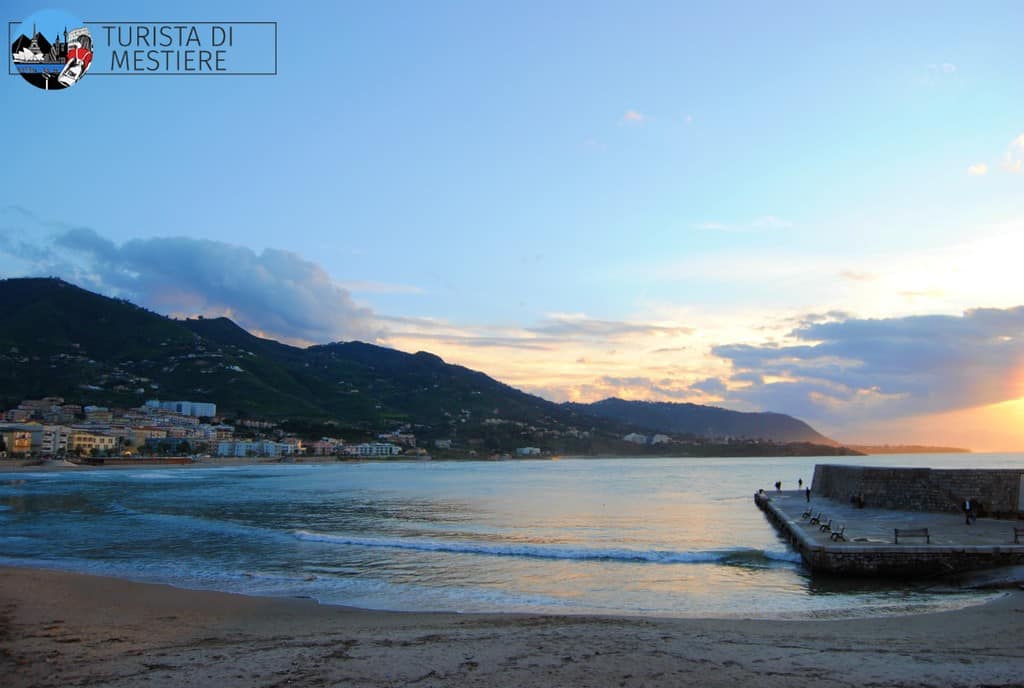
634 117
1013 160
978 170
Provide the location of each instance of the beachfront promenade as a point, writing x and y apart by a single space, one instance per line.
869 549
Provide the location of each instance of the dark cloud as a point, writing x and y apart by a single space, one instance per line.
711 385
885 367
274 292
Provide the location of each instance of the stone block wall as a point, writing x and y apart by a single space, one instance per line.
995 491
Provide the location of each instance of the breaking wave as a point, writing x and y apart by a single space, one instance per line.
733 557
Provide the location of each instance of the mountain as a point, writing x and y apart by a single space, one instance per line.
57 339
705 421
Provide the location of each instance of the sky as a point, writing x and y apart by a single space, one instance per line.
809 208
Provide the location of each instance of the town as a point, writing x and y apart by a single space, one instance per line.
190 431
48 428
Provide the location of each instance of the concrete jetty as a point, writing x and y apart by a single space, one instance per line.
869 548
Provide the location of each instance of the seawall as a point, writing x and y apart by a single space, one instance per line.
995 492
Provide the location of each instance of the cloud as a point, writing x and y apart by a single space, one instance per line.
688 119
570 325
856 276
765 222
881 368
978 170
712 386
634 117
1013 160
275 292
371 287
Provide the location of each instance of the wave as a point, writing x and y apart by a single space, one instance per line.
729 557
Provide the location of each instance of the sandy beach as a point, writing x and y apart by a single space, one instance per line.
61 629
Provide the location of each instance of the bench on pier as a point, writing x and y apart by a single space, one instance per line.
826 527
817 519
839 535
911 532
806 514
1017 532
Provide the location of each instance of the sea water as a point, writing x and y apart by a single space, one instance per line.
648 537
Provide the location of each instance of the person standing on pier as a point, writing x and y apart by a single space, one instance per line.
807 493
968 508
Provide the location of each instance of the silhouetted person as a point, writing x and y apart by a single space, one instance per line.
807 493
799 483
778 486
968 511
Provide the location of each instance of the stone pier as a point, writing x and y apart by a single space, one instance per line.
869 548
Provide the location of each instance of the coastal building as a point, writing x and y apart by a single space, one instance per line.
33 431
403 438
242 448
443 444
660 439
326 446
374 449
528 451
98 414
139 436
55 440
636 438
17 415
17 442
87 442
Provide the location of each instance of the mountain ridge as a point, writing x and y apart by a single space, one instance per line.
60 339
705 421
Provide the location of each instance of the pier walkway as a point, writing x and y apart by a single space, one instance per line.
869 548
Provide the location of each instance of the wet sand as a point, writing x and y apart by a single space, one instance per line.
62 629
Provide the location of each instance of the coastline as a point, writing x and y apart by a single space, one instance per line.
60 628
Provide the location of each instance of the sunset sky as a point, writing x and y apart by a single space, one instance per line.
811 208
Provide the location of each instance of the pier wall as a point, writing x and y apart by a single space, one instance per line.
996 492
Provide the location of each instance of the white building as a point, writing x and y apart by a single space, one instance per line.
374 449
55 440
636 438
255 448
528 451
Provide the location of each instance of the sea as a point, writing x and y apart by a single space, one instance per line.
667 537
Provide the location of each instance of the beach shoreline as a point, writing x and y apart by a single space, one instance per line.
59 628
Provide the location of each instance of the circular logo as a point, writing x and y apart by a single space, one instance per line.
52 49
